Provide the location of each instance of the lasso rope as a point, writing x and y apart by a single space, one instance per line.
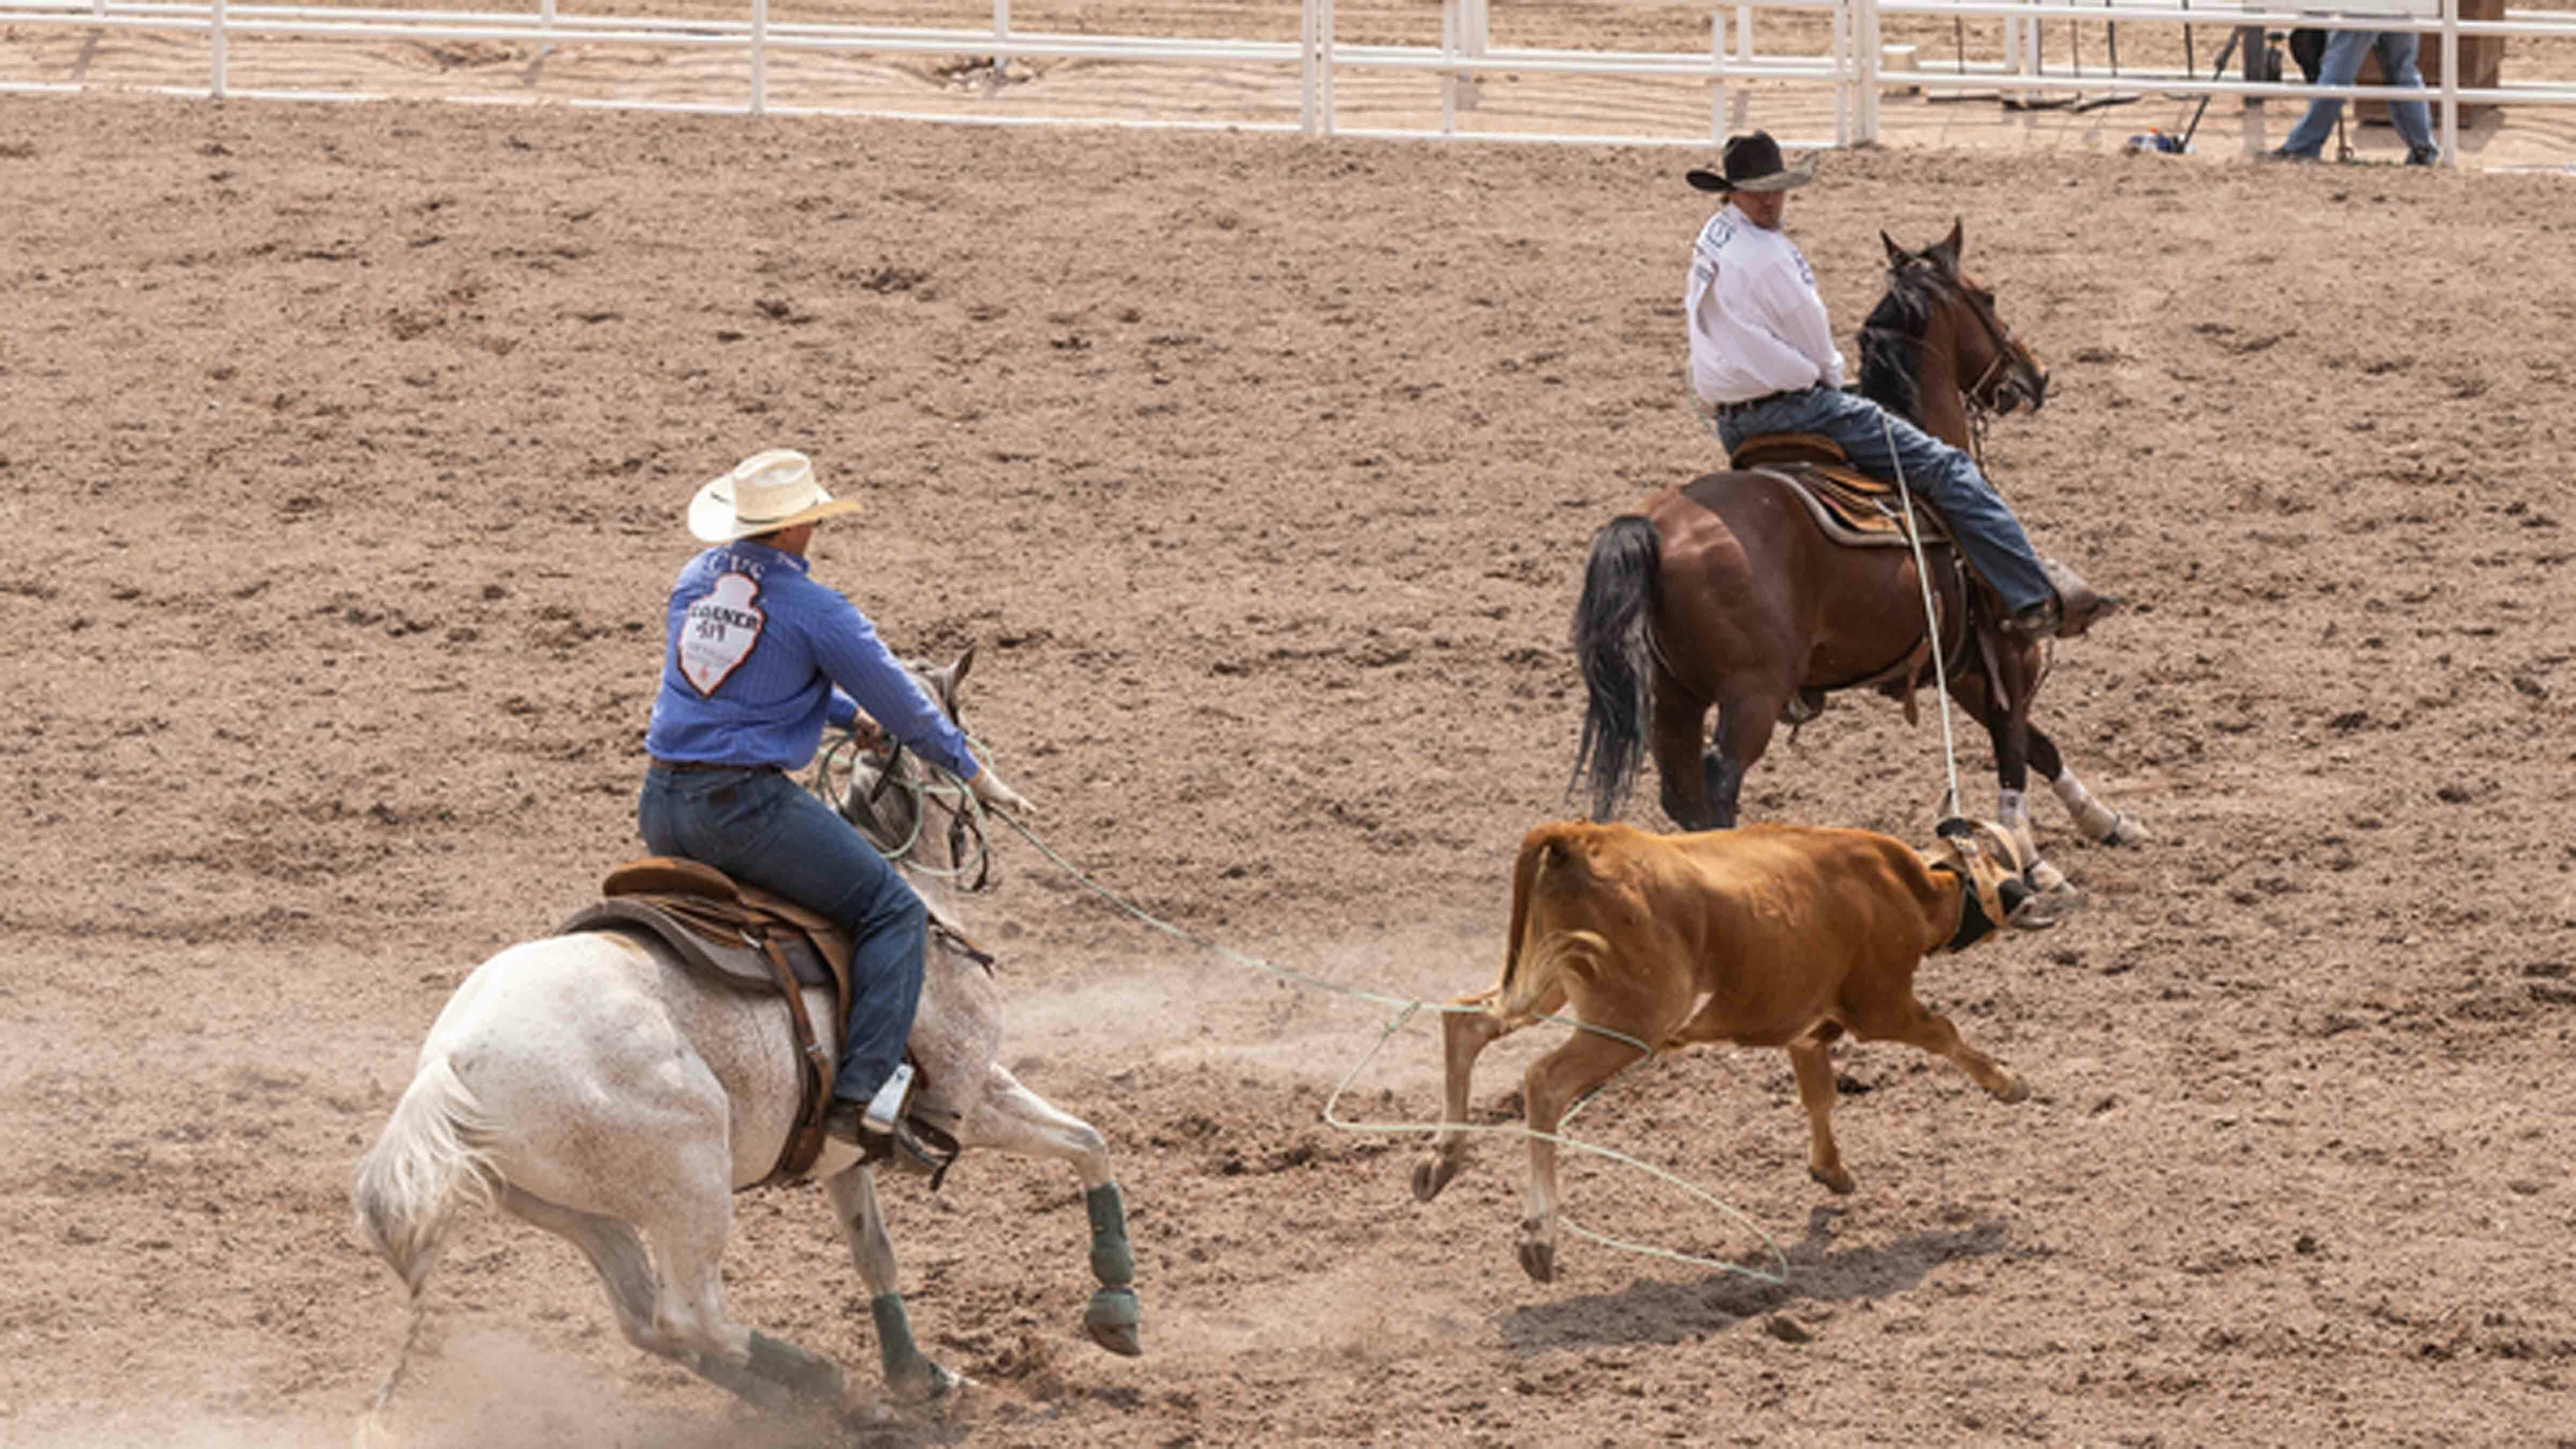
1405 1009
1931 615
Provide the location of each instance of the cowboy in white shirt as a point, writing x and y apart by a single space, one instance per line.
1763 360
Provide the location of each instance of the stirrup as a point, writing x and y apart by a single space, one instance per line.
886 1109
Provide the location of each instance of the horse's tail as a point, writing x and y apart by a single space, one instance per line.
1610 644
409 1184
423 1164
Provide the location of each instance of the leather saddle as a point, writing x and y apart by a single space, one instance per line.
750 940
1850 506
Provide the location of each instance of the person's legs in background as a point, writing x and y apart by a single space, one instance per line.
2412 118
2342 62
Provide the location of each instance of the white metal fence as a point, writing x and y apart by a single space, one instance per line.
1852 63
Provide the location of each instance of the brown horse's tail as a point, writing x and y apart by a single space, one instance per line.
1610 643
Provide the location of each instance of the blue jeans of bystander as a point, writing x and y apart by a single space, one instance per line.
760 828
2341 63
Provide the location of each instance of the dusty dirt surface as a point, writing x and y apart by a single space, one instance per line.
343 454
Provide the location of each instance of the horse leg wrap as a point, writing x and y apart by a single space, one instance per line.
1113 1262
805 1375
894 1335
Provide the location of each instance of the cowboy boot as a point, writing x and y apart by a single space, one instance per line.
2078 605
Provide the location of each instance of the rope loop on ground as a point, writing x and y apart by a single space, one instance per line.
1405 1009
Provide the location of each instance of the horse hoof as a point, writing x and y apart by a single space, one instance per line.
1538 1259
1112 1321
933 1387
1432 1174
2126 831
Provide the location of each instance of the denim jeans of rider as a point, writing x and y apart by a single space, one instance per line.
760 828
2340 65
1878 442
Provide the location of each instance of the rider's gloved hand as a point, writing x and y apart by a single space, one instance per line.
988 787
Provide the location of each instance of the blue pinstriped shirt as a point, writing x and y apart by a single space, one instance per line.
757 657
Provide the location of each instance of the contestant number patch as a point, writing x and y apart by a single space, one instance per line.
718 631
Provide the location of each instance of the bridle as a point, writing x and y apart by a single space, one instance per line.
836 780
1997 390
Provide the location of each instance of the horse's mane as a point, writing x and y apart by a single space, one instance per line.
1891 341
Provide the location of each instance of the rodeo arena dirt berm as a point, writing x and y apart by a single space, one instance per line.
756 725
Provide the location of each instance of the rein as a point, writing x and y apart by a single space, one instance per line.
969 849
1974 397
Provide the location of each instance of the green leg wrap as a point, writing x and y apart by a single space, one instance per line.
911 1376
805 1375
1113 1262
895 1348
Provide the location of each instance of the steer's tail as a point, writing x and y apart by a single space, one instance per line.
1610 644
1537 954
423 1166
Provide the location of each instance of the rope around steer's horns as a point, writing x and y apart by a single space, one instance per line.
1406 1007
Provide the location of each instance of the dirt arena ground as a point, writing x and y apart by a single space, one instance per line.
343 452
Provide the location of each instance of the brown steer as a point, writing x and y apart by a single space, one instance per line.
1764 936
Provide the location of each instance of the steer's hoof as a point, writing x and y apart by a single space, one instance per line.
2014 1089
1836 1180
1538 1259
1431 1174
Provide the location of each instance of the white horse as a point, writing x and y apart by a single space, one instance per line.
592 1085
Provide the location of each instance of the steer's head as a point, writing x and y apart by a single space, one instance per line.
1995 866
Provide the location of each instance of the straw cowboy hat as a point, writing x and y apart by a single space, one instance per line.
1753 164
764 493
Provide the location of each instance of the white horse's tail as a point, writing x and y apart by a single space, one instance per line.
409 1184
423 1164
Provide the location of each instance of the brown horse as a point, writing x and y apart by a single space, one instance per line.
1726 592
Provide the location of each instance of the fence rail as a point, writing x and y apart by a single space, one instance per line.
1852 64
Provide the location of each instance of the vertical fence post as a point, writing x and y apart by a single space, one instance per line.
1837 35
1717 66
1001 33
2451 83
216 50
545 25
1448 77
1870 56
759 57
1324 38
1306 65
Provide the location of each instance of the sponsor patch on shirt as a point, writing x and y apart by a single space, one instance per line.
719 630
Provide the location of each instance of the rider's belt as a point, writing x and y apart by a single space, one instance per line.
1730 409
686 766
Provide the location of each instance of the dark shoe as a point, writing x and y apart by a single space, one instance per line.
2284 153
2424 156
2035 621
2079 604
905 1145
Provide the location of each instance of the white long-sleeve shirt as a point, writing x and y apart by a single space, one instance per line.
1757 324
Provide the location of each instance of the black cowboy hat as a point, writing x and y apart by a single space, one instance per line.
1753 164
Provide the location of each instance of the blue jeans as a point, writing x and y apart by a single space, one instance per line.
760 828
1939 474
2342 62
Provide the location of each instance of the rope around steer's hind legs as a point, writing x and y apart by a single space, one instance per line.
1406 1007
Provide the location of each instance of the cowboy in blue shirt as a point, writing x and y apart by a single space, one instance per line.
758 658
